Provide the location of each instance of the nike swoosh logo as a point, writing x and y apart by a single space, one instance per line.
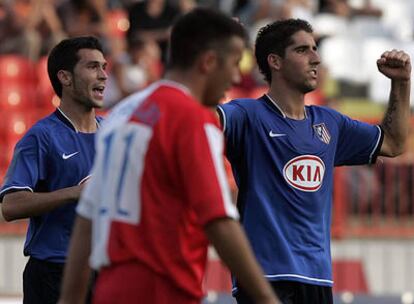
271 134
64 156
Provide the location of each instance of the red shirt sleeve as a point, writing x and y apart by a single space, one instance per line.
201 165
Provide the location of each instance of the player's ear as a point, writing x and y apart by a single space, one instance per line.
208 61
274 61
65 77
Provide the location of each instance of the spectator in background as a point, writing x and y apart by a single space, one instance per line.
133 70
85 17
151 20
184 6
302 9
343 8
15 36
44 23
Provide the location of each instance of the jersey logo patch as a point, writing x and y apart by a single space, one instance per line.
147 113
271 134
305 172
66 156
322 133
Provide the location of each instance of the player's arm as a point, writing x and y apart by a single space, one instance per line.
231 244
24 204
396 65
77 271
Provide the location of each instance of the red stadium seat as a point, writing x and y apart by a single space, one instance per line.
4 153
118 23
3 170
6 156
46 97
16 69
15 124
12 127
17 97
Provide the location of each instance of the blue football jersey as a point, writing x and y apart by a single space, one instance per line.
284 171
52 155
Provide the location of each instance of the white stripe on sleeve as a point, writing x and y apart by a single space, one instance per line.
216 144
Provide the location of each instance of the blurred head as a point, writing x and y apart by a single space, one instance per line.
274 38
211 42
77 65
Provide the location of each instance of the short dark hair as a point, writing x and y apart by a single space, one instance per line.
197 31
274 38
64 56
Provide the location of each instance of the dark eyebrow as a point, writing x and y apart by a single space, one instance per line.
94 62
306 46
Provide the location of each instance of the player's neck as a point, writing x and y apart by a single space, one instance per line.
187 79
291 103
82 118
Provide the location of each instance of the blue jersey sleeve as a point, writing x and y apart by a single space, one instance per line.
233 120
358 142
28 165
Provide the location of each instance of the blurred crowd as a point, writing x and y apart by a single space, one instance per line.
135 33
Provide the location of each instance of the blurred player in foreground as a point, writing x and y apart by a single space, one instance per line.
158 190
283 154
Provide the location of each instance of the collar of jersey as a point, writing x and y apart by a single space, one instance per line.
267 99
174 84
66 120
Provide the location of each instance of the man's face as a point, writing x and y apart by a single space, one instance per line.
299 67
226 72
89 78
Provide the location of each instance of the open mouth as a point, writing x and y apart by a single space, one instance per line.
314 73
99 91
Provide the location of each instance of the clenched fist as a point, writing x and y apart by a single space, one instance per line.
396 65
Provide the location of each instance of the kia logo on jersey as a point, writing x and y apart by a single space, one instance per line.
305 172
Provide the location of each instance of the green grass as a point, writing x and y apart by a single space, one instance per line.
361 108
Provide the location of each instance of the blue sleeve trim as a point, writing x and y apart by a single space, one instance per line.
13 189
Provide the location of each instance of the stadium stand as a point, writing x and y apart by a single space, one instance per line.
373 216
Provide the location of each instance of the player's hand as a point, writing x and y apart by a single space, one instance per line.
395 65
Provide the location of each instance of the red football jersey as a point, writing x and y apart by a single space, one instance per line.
158 178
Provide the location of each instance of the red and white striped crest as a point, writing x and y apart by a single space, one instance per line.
322 133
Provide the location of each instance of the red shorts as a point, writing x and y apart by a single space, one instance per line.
131 283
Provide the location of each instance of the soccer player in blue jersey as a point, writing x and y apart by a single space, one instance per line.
51 163
283 154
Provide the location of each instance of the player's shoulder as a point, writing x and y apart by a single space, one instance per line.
243 103
241 108
39 133
177 103
168 101
43 126
178 98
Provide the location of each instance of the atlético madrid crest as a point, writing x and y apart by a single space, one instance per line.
322 133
